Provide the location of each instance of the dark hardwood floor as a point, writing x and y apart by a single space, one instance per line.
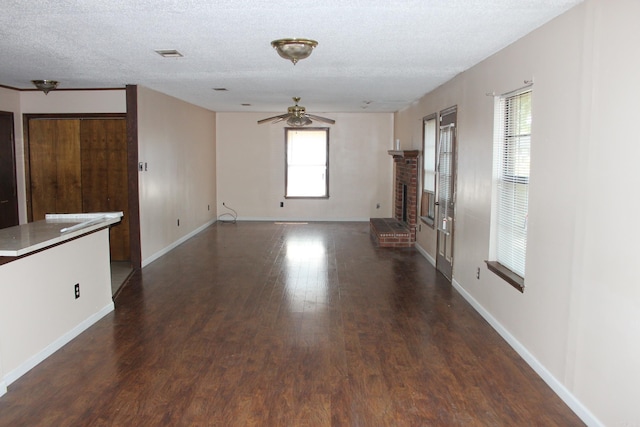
259 324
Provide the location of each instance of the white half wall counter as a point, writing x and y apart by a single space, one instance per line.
55 282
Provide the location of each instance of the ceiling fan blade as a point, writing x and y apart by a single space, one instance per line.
277 118
321 119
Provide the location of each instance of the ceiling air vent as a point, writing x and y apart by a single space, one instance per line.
169 53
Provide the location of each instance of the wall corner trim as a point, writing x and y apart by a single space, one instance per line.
572 401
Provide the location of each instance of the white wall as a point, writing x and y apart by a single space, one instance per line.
251 169
9 100
177 141
578 321
74 101
604 352
38 310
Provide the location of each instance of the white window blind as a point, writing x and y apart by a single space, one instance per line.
428 199
445 177
429 155
512 149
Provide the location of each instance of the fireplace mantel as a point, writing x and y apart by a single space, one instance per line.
404 153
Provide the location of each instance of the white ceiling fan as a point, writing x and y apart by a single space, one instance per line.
296 116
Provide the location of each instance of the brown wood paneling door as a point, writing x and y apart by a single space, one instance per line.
80 165
54 159
8 186
104 176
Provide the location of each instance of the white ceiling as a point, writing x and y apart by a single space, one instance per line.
372 55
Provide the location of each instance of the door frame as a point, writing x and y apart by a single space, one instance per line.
445 266
12 142
132 168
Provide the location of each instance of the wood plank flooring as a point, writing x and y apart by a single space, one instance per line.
259 324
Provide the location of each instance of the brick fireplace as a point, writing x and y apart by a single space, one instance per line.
400 231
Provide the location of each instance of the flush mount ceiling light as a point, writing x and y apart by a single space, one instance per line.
45 85
294 49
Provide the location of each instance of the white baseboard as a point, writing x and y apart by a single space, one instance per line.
425 254
576 406
177 243
3 388
31 362
250 218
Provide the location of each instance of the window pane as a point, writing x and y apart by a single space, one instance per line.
427 204
306 181
512 225
307 156
429 155
308 151
512 151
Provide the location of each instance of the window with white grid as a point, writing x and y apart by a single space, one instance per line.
512 148
307 163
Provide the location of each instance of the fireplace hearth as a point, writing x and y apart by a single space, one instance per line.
400 231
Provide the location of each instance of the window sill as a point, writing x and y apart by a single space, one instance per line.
306 197
507 275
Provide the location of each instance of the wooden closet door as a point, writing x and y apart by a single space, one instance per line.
54 163
104 176
118 188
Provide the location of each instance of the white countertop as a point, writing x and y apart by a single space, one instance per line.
57 228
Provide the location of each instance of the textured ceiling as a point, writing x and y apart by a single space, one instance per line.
372 55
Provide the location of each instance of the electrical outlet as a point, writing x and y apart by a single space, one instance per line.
377 205
478 273
178 222
76 290
282 204
208 207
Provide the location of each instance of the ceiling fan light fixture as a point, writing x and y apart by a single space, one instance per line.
45 85
294 49
301 121
296 116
